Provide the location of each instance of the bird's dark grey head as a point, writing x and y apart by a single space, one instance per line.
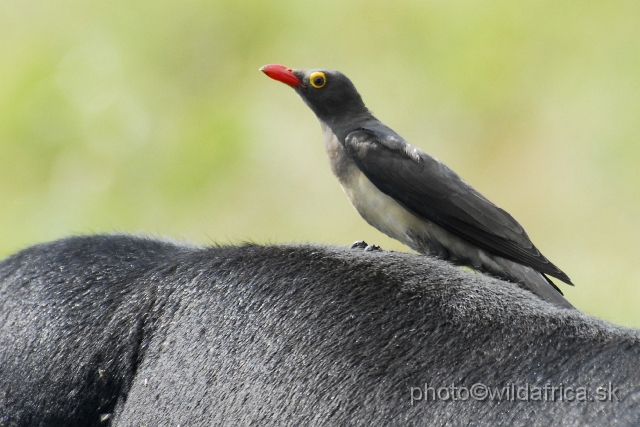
330 94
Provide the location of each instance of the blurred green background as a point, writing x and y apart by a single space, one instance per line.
153 117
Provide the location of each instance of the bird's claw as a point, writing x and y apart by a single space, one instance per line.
360 244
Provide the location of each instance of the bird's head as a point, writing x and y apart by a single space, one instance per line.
330 94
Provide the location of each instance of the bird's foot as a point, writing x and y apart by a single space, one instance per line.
361 244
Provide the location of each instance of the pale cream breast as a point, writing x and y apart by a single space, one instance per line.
378 209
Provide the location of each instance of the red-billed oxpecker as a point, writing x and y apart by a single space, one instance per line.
412 197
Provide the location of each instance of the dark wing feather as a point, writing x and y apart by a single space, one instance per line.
429 189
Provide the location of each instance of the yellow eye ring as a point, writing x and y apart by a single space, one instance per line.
317 79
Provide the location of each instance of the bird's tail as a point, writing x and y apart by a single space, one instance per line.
537 283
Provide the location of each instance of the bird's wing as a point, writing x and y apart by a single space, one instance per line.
429 189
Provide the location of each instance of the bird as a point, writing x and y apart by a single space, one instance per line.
413 197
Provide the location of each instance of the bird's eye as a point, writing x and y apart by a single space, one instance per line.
317 79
